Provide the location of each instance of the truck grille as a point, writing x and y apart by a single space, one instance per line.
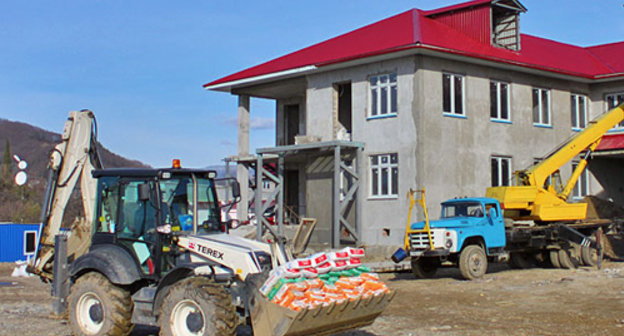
419 241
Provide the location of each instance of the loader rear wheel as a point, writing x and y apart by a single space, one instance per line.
425 268
473 262
97 307
197 306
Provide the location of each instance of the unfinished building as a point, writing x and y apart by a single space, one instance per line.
453 99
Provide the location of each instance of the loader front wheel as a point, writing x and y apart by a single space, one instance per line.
425 268
97 307
197 306
473 262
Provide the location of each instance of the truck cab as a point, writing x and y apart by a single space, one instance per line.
469 232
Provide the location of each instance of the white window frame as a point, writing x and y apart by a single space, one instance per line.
499 101
614 96
499 161
452 104
576 113
540 104
378 167
26 232
582 183
376 87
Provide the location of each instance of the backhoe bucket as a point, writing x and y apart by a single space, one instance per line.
272 319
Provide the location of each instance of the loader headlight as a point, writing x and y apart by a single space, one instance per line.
449 243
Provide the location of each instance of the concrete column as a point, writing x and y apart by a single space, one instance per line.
242 173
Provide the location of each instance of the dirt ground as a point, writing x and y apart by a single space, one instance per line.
584 301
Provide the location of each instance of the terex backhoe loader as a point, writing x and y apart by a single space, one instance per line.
161 255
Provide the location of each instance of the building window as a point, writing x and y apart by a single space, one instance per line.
453 94
613 100
581 188
501 171
499 101
30 242
384 172
578 111
541 107
383 95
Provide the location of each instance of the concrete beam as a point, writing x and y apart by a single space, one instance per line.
242 172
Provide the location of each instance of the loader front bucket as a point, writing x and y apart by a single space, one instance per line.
268 318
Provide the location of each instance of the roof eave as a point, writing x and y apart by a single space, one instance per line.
227 86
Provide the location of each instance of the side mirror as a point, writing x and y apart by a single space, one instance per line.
144 192
492 213
228 190
236 191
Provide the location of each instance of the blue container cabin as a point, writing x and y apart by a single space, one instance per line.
17 241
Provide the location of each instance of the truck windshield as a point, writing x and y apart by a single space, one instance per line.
464 209
178 203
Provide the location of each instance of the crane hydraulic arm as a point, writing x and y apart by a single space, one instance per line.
531 199
72 159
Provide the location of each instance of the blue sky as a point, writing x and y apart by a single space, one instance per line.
140 65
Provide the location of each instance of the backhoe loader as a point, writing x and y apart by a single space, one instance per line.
159 254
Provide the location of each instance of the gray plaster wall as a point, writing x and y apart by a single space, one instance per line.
395 134
455 152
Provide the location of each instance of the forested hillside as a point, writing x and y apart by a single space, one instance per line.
33 144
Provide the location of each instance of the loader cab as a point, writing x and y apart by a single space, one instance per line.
141 210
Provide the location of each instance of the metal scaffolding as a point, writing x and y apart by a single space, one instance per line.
342 200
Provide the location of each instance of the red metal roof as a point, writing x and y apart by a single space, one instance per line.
460 6
611 142
418 29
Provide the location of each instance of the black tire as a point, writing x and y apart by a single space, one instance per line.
473 262
522 260
568 259
542 259
197 306
97 307
589 256
425 268
554 258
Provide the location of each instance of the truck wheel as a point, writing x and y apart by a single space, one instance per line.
589 256
521 260
97 307
473 262
425 268
567 259
554 258
197 306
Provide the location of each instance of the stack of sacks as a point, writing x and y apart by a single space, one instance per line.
322 279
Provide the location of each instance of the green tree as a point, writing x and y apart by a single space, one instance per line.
5 168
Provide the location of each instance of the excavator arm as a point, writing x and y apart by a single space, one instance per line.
71 160
531 200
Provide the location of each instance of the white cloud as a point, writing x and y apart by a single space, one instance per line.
256 123
261 123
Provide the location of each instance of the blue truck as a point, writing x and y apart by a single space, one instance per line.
472 232
469 232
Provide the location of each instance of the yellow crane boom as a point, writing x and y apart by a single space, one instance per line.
531 199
